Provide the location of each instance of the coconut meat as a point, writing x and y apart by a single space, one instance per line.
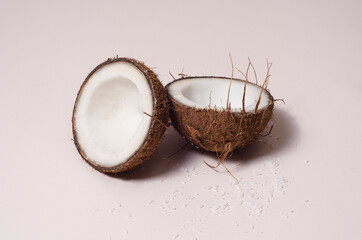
109 118
204 92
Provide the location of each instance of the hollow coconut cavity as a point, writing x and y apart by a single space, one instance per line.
199 111
120 115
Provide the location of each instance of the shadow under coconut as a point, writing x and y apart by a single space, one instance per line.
285 134
170 155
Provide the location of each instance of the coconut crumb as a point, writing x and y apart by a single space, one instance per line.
285 215
221 209
207 188
196 230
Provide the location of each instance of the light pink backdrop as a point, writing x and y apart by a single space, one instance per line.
302 182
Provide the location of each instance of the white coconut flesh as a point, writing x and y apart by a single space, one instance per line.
204 92
109 120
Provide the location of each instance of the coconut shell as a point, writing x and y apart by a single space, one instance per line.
159 122
219 131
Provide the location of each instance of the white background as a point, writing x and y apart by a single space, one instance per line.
301 182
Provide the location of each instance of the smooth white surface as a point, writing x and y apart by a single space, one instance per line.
110 120
213 92
48 192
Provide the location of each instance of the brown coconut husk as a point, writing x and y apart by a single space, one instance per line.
219 131
222 131
159 122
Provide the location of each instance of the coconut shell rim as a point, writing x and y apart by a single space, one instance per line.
271 98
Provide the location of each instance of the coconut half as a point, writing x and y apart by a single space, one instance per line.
199 111
119 115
